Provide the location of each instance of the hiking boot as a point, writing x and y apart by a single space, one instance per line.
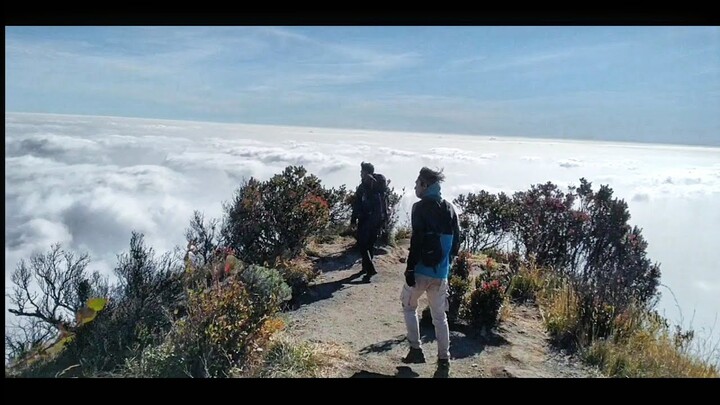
368 276
443 369
414 356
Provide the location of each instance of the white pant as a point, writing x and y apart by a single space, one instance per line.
437 292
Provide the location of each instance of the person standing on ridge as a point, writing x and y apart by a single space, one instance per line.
435 240
370 213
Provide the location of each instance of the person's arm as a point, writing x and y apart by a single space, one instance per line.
356 206
418 227
456 233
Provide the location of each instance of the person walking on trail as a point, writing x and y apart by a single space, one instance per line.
435 240
369 212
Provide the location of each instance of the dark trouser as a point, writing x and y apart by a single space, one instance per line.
366 237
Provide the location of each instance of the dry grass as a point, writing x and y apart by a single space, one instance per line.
402 232
478 259
560 308
505 309
648 348
313 250
647 356
288 358
641 344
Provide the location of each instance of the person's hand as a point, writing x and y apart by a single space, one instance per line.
410 278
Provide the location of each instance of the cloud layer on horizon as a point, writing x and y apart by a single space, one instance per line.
87 182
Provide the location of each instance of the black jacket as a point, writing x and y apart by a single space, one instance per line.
431 215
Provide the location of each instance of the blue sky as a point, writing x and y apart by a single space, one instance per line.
639 84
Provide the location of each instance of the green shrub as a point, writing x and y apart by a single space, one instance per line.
586 235
484 305
485 220
340 211
298 276
386 232
221 327
274 219
268 286
496 254
160 361
493 271
461 266
458 288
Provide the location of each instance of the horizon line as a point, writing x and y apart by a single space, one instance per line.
408 132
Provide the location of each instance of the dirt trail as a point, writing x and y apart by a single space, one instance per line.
367 320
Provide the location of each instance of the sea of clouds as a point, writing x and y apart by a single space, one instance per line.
87 182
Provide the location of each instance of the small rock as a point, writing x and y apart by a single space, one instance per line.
403 259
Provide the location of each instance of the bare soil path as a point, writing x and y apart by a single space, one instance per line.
367 320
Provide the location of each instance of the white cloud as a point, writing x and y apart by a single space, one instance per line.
708 286
88 181
397 152
568 163
473 188
459 154
544 62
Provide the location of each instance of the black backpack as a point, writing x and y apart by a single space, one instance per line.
382 191
431 252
